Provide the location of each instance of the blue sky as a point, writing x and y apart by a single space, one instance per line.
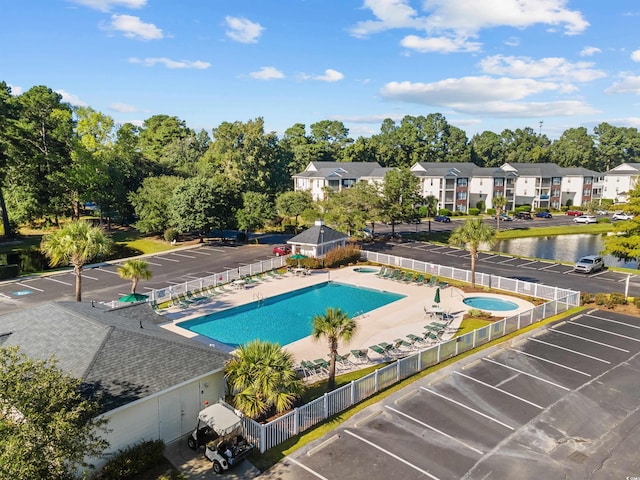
483 64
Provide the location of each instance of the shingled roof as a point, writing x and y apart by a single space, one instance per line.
121 355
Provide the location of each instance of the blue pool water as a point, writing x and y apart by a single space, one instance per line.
490 303
286 318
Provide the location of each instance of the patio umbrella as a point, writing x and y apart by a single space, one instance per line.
133 297
437 297
298 256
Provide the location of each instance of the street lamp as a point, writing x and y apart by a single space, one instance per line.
322 245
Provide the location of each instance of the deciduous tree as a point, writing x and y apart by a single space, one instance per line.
47 429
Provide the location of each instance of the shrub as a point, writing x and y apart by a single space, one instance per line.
422 211
491 211
129 463
444 211
477 313
523 208
601 299
474 211
342 256
481 205
604 220
617 299
636 302
171 234
587 298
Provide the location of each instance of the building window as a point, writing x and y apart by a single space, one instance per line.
587 180
462 182
498 182
586 192
556 180
462 196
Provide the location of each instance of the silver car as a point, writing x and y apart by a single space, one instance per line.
589 264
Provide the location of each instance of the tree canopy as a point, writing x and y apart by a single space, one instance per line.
47 429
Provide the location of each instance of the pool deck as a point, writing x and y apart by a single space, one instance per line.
395 320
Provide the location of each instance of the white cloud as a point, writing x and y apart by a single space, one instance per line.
243 30
133 27
377 119
628 84
589 51
71 99
267 73
439 44
635 55
15 90
390 14
485 96
329 75
107 5
172 64
122 107
450 23
550 68
512 42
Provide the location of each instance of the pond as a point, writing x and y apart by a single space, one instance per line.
564 248
28 261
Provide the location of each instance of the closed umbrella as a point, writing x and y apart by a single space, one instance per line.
133 297
437 297
298 256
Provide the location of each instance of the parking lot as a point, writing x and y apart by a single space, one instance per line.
563 403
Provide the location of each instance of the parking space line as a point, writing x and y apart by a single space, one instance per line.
304 467
542 359
527 374
477 412
606 331
169 259
58 281
507 380
508 260
84 275
528 263
551 265
569 350
500 390
219 250
181 255
597 274
490 256
392 455
434 429
199 252
28 286
555 330
154 264
613 321
111 271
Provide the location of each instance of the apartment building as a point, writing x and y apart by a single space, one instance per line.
462 185
619 181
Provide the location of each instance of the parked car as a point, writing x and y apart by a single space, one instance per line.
621 216
589 264
523 216
280 250
504 217
585 219
574 213
442 218
544 215
602 212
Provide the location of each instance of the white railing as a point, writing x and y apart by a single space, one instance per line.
163 295
269 435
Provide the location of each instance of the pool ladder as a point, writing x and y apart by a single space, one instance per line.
259 298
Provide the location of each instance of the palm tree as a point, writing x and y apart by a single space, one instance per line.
431 202
75 244
261 378
135 270
499 203
334 325
471 235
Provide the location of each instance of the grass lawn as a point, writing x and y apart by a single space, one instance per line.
593 228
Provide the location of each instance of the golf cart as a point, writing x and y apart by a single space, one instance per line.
219 430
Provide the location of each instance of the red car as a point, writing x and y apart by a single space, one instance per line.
281 250
574 213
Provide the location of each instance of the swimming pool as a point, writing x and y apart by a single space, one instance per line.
287 317
490 303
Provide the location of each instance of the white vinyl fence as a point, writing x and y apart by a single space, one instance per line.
269 435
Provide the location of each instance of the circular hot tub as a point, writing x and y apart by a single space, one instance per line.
490 303
365 270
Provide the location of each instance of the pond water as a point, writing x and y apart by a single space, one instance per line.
29 261
564 248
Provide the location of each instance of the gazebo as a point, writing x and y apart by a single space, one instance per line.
317 240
